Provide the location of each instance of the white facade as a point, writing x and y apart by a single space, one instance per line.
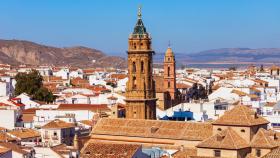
26 100
8 119
44 116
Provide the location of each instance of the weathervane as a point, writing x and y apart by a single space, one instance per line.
169 44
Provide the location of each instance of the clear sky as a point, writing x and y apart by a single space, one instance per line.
190 25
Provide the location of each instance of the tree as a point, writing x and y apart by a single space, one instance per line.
32 84
197 92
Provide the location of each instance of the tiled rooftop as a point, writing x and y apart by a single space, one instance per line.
58 124
265 139
240 115
226 139
24 133
106 150
153 129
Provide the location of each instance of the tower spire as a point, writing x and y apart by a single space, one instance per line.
139 12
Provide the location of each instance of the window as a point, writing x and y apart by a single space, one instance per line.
168 71
142 66
54 133
133 67
168 84
134 83
217 153
219 129
258 152
243 130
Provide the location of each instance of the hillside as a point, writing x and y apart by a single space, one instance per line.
227 56
17 52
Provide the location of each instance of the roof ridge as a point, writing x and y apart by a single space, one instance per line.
229 131
265 136
245 114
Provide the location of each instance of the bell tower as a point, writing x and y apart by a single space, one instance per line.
170 74
140 88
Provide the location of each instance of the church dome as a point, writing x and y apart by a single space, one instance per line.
169 52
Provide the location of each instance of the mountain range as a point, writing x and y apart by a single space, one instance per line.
16 52
266 56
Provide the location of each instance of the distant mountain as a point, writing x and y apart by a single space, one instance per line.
17 52
228 56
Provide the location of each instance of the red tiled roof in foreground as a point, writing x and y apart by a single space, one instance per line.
153 129
227 139
108 150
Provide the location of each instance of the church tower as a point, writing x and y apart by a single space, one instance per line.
170 74
140 88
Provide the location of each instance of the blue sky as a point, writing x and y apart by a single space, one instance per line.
190 25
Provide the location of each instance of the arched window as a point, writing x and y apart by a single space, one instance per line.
133 67
134 82
168 71
142 66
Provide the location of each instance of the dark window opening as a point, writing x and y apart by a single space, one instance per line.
258 152
133 67
142 66
217 153
168 71
134 82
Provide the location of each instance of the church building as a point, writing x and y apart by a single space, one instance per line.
140 88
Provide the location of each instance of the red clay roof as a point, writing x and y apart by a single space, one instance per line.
92 107
240 115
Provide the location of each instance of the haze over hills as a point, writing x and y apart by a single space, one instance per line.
265 56
16 52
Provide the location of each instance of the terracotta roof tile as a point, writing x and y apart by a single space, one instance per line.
88 122
106 150
153 128
226 139
3 151
240 115
25 133
265 139
4 137
92 107
58 124
275 153
14 147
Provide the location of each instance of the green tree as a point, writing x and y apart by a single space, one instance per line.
32 84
